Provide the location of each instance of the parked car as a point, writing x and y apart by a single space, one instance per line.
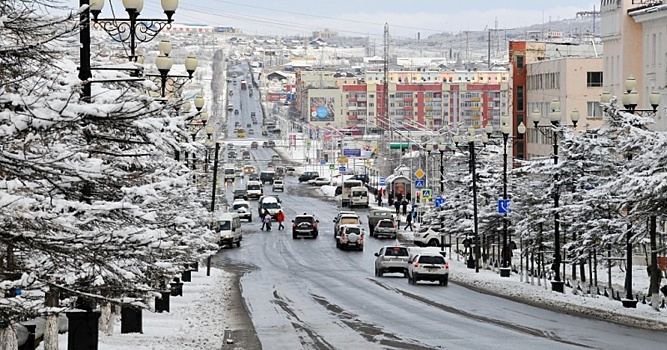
351 236
278 185
319 181
242 207
251 132
361 177
265 144
386 228
272 143
375 215
392 259
427 236
308 175
304 225
428 266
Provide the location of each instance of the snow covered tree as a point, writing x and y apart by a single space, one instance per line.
92 202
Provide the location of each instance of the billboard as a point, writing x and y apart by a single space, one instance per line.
322 109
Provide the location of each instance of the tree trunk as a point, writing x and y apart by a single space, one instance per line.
52 299
105 309
8 339
51 332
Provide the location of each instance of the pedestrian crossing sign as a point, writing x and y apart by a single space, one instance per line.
427 193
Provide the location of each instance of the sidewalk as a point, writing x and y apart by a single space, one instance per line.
204 318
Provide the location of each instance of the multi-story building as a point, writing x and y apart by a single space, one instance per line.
525 53
416 100
634 34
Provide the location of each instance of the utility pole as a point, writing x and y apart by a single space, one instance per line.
385 95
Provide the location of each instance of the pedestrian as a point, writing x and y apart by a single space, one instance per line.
267 221
397 205
390 199
280 217
405 206
399 197
408 222
379 198
262 217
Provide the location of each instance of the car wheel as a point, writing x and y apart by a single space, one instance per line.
294 235
338 245
410 280
315 236
238 244
380 273
250 219
433 243
445 281
405 273
377 274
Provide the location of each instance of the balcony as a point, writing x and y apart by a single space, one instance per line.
360 106
408 108
408 99
475 99
361 99
428 108
352 117
351 108
352 99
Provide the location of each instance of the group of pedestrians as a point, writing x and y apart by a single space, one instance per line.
267 218
399 203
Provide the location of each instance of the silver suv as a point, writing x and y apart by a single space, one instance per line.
351 236
392 259
428 266
385 227
278 185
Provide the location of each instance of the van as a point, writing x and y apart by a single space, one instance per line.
230 174
254 189
270 204
267 176
359 197
346 195
228 229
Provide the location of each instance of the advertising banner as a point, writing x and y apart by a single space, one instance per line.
322 109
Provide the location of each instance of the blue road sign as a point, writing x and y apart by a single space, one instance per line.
323 161
382 181
419 184
439 202
332 166
504 206
342 168
427 193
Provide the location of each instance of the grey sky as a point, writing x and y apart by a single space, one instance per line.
362 17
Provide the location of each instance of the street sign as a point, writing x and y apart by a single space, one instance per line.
352 152
439 202
382 181
419 184
419 173
323 161
342 160
341 168
332 166
504 206
427 193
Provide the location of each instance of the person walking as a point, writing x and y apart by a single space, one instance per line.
379 198
390 199
280 217
397 205
262 217
408 222
405 206
267 221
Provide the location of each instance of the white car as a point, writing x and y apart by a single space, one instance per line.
278 185
350 237
392 259
319 181
427 236
242 207
428 266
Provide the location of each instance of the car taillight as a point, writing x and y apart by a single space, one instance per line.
293 225
314 224
446 265
416 264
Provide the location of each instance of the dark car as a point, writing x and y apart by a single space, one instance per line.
240 193
361 177
304 225
267 176
308 175
253 177
272 143
265 144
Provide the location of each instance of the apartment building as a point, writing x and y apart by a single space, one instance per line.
635 36
416 100
547 84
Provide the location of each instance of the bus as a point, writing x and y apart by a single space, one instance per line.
240 132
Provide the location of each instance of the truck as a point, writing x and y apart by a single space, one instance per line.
346 195
244 85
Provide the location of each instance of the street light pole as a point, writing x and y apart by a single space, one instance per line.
84 52
215 175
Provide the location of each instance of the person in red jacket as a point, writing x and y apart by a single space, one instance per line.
280 217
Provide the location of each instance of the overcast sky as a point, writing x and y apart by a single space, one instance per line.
364 17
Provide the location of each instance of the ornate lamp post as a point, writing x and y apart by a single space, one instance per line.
630 100
557 284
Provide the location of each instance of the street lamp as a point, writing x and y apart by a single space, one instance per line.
473 262
557 284
122 30
164 63
630 99
505 129
199 102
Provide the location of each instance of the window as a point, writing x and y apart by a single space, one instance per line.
594 79
519 98
593 110
519 61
